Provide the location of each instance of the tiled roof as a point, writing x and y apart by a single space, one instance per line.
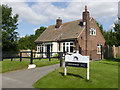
69 30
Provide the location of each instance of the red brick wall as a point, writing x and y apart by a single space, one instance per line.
92 41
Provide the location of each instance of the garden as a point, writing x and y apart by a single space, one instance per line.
103 74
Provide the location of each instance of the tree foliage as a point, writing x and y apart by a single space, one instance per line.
112 36
27 42
9 26
117 31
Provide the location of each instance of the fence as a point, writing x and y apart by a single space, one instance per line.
33 55
111 51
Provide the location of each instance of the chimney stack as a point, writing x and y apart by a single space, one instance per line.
58 22
85 15
87 26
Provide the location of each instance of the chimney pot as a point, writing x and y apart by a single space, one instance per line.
85 15
86 8
58 22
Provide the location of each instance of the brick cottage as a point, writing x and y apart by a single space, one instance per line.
81 36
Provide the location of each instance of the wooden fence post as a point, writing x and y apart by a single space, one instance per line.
49 56
101 51
31 59
20 56
61 60
58 55
11 58
108 51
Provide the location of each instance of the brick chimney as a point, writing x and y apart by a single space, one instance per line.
87 26
58 22
85 16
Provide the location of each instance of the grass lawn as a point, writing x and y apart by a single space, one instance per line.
103 74
8 65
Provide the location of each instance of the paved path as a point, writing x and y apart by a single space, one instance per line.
25 78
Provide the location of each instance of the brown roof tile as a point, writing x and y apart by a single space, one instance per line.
65 31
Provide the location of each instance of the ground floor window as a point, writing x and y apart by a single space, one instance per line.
40 48
68 46
98 48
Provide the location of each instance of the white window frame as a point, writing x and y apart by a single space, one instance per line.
67 44
98 48
39 47
93 30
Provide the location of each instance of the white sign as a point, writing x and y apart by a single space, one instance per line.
77 60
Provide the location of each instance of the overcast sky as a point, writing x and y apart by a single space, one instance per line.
119 9
32 15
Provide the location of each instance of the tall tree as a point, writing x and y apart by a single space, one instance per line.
27 42
9 26
100 27
40 31
117 31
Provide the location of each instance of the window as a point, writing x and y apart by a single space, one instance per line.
40 48
68 47
92 31
99 49
71 48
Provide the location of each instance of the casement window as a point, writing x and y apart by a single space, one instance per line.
40 48
98 48
68 47
92 31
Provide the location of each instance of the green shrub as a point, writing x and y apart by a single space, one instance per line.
116 55
55 55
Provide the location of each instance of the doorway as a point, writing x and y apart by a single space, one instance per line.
48 50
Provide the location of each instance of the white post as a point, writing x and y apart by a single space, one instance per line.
65 71
88 70
114 52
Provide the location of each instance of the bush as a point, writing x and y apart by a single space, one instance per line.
116 55
55 55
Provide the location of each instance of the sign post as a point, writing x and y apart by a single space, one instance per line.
77 60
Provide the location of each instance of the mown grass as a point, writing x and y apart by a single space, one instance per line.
8 65
103 74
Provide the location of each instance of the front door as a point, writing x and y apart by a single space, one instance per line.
48 50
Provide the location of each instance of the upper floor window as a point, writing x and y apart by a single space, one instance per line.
92 31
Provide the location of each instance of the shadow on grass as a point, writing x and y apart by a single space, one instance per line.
113 59
71 75
109 63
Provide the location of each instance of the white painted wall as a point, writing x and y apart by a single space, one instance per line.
44 51
61 47
55 47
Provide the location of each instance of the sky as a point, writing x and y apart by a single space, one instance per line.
33 15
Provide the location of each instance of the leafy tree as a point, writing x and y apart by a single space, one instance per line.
117 31
110 38
27 42
24 43
9 26
100 27
40 31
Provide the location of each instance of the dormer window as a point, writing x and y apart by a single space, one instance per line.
92 31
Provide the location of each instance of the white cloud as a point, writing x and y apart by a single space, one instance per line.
26 13
41 12
111 26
